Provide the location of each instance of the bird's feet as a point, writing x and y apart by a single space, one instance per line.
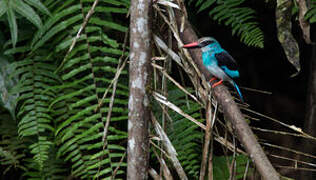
212 79
215 84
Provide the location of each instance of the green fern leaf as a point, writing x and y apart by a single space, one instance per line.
205 5
13 26
56 29
241 20
27 11
3 7
38 5
33 115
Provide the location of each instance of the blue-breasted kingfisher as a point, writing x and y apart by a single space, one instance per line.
217 61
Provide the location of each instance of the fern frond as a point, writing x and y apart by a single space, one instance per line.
54 168
86 74
34 117
241 19
11 147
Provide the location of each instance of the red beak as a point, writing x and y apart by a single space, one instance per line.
194 44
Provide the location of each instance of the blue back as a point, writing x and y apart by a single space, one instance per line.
208 53
208 56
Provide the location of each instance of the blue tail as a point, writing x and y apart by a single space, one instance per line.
238 91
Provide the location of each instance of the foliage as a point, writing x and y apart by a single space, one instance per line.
241 19
88 69
11 147
221 171
311 13
184 134
23 8
56 110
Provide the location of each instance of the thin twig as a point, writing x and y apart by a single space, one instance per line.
108 118
296 168
288 149
83 25
167 50
160 149
228 144
207 138
293 160
169 147
166 112
118 166
160 98
162 70
233 163
119 70
210 158
166 171
246 170
280 132
294 128
256 90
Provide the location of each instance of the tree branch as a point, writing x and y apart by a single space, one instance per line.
139 82
230 109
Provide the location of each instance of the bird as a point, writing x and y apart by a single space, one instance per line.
217 61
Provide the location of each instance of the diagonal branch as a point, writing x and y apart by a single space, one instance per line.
230 109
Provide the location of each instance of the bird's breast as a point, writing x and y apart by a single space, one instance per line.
209 58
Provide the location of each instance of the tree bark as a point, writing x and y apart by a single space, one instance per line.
139 82
231 110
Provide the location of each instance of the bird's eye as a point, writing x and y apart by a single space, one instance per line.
205 43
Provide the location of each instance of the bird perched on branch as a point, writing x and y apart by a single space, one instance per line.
217 61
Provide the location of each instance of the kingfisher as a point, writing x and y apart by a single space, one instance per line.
217 61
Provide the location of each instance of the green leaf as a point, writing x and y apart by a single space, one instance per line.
38 5
56 29
27 11
313 19
3 7
109 24
205 5
13 26
52 20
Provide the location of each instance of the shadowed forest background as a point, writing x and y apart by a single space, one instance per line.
65 93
